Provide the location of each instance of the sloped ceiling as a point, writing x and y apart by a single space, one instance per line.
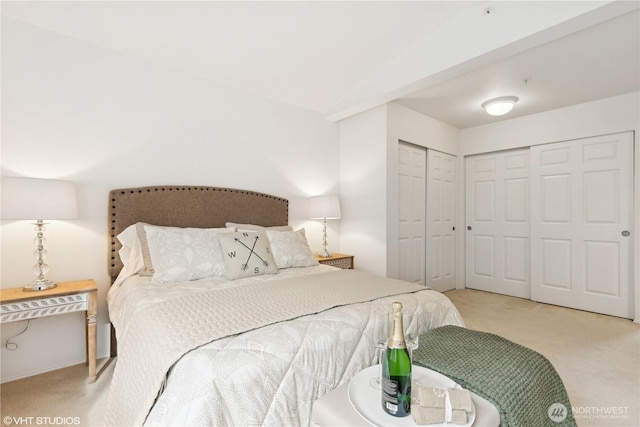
442 58
595 63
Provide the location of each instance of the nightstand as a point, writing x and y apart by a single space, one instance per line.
67 297
337 260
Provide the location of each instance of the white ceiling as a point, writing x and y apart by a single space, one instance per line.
595 63
316 54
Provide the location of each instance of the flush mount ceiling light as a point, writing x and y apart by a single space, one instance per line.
499 106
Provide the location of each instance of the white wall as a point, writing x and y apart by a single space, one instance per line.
368 179
363 168
72 110
611 115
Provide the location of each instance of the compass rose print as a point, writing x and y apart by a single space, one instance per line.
245 265
247 254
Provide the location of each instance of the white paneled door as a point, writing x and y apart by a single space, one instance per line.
497 222
581 236
441 183
411 212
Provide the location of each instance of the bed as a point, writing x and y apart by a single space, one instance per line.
222 316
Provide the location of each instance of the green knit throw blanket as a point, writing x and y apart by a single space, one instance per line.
521 383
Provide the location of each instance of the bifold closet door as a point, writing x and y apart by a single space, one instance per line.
411 212
441 208
582 214
497 222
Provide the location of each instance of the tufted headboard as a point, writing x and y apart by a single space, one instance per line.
188 206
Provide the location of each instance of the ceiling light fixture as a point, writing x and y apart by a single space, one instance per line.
499 106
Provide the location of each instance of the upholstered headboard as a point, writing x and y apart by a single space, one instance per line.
186 206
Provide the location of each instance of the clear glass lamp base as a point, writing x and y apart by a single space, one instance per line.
39 285
41 268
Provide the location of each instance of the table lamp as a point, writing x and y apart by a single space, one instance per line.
324 208
39 200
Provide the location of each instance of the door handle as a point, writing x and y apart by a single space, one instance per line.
626 233
468 227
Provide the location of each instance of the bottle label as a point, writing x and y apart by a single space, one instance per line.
390 395
396 395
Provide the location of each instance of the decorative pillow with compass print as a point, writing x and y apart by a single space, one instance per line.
247 253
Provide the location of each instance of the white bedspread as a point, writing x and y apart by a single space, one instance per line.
248 366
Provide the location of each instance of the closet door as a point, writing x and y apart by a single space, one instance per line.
581 236
411 212
497 217
441 208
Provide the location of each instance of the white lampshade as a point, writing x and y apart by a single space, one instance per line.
500 106
324 207
33 199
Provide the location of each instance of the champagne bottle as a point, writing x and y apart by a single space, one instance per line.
396 369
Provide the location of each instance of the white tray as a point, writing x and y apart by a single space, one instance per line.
366 400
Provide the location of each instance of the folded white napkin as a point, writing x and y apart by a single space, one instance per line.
432 405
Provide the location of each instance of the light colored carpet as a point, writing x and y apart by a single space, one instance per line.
57 398
598 358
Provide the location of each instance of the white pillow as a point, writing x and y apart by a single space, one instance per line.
183 254
131 250
291 249
247 253
147 269
252 227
